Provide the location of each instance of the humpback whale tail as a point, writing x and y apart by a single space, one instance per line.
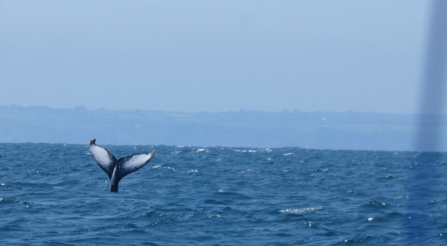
117 169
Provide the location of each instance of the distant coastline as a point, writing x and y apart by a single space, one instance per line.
317 130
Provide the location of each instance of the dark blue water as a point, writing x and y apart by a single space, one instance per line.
56 194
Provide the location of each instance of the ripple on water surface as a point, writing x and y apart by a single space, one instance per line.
56 194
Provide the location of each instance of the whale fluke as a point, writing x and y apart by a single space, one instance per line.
117 169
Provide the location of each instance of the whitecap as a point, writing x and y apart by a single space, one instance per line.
200 150
192 171
249 171
214 216
245 151
286 154
156 166
171 169
300 210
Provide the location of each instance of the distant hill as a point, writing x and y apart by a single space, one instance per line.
320 130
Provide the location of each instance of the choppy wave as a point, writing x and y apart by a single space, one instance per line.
56 194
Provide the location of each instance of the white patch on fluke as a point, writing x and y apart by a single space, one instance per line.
136 162
101 155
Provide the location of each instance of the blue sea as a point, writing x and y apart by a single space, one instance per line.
55 194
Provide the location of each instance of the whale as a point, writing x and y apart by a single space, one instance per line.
117 169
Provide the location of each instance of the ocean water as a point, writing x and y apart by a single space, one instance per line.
55 194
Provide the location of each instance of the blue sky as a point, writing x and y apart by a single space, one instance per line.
214 56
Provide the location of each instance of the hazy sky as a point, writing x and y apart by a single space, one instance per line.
214 55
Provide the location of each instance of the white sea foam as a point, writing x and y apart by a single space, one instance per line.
245 151
192 171
160 166
286 154
200 150
249 171
300 210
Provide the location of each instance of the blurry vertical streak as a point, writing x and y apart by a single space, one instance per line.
427 140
